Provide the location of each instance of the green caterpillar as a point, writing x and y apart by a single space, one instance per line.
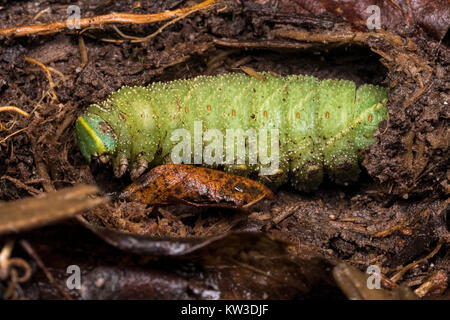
323 126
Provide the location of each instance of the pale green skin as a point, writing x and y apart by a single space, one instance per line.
336 121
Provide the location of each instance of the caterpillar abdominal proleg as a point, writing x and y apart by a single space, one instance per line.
323 125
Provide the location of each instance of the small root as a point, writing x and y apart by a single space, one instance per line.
48 75
14 109
9 269
12 134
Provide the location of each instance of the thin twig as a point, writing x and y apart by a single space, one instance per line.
100 21
253 73
400 274
343 37
83 51
29 249
264 44
17 182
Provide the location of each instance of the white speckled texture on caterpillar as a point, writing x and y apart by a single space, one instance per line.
323 125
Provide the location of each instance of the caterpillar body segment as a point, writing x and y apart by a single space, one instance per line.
323 126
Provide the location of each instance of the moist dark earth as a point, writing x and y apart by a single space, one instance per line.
397 213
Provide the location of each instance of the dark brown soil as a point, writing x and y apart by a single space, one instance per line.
396 214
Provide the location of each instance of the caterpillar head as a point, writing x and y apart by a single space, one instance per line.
95 137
